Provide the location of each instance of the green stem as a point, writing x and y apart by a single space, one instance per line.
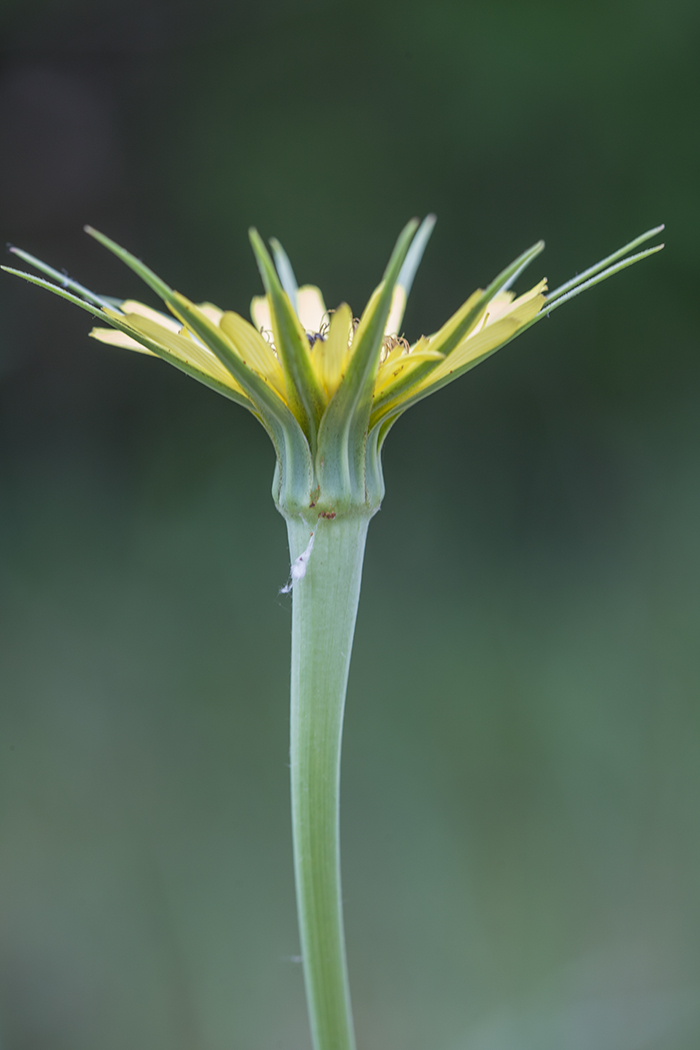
325 604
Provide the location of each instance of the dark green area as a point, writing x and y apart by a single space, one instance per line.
522 774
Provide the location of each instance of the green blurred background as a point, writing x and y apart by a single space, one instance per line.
521 780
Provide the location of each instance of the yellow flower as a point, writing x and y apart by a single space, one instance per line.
330 336
326 386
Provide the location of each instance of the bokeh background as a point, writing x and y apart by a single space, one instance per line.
521 781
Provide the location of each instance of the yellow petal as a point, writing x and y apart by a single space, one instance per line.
261 314
132 306
115 338
490 337
200 357
253 350
448 329
213 313
498 306
400 367
311 308
398 306
539 289
329 356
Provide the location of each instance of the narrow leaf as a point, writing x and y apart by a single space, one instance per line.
304 393
222 347
367 343
61 292
392 412
285 271
460 324
287 436
284 431
151 279
344 426
63 279
415 254
154 347
578 288
581 277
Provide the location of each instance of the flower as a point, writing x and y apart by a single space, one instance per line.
326 387
403 369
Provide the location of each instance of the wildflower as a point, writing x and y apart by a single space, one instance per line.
327 388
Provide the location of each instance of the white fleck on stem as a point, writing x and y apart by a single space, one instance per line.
298 569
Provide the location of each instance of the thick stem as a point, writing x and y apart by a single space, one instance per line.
323 623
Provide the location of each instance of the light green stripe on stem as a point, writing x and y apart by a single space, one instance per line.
323 624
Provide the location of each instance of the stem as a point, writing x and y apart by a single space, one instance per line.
323 623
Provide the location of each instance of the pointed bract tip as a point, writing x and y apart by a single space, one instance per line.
256 241
10 247
92 232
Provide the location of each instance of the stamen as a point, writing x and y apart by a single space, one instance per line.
269 339
315 337
390 343
326 323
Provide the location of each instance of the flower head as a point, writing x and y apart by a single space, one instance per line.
326 386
